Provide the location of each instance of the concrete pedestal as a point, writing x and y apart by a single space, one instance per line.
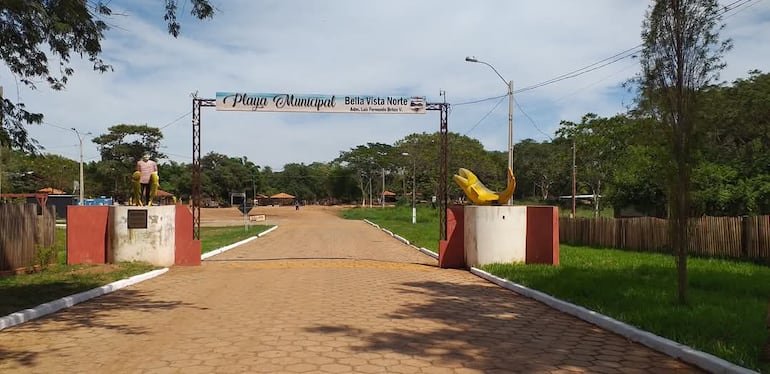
107 234
495 234
451 252
154 244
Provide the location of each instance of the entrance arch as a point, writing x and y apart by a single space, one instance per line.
317 104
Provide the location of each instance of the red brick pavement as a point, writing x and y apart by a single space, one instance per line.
320 294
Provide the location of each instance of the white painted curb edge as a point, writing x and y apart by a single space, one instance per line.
371 223
401 239
701 359
263 233
231 246
404 240
425 251
226 248
66 302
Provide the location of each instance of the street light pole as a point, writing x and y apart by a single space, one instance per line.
80 138
414 188
509 85
382 200
414 172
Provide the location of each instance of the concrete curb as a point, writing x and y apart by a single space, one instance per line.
703 360
226 248
371 223
231 246
402 239
425 251
66 302
263 233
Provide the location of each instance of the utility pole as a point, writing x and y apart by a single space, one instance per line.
383 188
81 186
414 187
509 84
510 131
574 178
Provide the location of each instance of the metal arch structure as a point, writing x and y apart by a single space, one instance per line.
195 189
443 173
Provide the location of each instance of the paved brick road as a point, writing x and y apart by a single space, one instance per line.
320 294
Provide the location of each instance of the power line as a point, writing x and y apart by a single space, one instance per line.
57 126
174 121
479 100
586 69
742 10
595 82
178 155
531 120
486 115
628 53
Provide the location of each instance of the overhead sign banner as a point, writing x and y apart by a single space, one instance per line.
259 102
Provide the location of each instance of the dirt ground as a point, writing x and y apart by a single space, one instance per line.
274 215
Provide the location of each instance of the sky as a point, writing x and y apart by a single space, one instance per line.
347 47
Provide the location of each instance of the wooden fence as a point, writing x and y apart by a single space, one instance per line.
734 237
23 233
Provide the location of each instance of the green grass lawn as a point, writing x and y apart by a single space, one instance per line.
58 280
726 311
217 237
399 220
728 300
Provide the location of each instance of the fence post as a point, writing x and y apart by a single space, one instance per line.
765 353
744 236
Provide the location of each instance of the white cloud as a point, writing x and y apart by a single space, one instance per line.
353 47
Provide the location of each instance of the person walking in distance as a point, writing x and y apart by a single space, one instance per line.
146 167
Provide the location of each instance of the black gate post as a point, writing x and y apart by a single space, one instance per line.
443 174
195 188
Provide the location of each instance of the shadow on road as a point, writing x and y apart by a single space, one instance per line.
487 328
97 313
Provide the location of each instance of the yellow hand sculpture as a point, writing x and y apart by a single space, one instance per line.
154 184
136 189
478 193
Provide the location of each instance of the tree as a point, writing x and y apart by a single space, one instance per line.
25 173
38 38
125 144
120 148
176 179
221 175
736 148
681 54
368 161
600 144
464 152
541 166
342 183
